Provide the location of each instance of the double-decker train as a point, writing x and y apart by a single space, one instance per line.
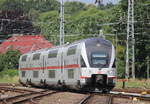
86 64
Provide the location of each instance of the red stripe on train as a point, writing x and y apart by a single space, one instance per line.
72 66
52 67
113 77
84 77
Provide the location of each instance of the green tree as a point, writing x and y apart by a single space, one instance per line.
141 14
42 5
10 59
49 25
2 62
74 7
12 5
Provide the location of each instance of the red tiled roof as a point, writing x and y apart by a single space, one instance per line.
25 43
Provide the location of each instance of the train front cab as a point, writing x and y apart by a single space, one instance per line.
100 65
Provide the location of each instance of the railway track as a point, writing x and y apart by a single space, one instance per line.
26 97
131 95
109 98
132 90
31 95
14 89
90 99
86 99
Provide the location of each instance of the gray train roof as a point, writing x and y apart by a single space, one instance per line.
101 40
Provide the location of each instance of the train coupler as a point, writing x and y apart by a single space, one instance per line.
99 80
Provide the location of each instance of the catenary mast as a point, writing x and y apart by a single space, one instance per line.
61 22
130 48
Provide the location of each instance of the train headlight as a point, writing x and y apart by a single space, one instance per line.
111 72
98 45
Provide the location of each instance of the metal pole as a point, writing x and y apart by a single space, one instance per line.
116 38
130 48
62 36
133 42
127 44
148 66
61 22
127 61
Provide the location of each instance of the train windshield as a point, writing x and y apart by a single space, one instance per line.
99 59
99 52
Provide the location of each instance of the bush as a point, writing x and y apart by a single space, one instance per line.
9 60
2 62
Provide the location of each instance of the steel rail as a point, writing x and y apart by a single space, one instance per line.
129 95
14 98
34 97
86 99
7 88
15 90
110 100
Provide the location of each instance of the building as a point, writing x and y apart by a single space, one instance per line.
25 43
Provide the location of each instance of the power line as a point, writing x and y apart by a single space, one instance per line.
25 21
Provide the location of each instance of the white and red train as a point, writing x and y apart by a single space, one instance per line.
85 64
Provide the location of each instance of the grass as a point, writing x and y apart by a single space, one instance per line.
9 76
131 83
9 79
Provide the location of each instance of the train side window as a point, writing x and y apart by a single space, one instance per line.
70 73
35 74
23 73
24 58
36 56
52 54
82 62
71 50
51 73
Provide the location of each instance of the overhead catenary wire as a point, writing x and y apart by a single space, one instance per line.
66 22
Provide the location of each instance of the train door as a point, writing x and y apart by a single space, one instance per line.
77 66
52 67
71 65
77 62
43 64
23 65
36 67
61 60
28 65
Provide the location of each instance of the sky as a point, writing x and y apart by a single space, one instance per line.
93 1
